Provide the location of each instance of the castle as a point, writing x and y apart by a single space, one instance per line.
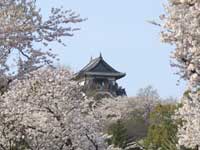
99 79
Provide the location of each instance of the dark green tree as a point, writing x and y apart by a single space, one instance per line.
162 129
119 134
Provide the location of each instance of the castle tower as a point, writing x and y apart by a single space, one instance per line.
99 79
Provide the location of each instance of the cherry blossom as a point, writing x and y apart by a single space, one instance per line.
181 28
46 110
26 36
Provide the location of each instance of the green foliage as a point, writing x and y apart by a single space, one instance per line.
186 93
20 145
162 129
132 129
136 125
119 134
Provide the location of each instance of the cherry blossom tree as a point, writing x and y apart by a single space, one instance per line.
181 28
48 111
26 37
189 114
148 98
23 30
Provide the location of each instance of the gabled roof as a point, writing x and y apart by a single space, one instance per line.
98 67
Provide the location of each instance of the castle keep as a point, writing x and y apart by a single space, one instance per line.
99 79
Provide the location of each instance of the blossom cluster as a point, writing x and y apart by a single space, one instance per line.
26 35
181 28
189 113
46 110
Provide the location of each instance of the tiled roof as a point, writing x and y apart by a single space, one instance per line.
99 67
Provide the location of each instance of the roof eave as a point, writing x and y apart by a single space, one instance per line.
80 75
116 75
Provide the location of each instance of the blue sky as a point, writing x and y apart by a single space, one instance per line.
119 30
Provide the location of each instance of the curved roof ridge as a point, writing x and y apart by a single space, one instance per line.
99 66
90 65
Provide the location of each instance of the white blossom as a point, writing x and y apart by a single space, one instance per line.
48 111
189 113
181 28
25 36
